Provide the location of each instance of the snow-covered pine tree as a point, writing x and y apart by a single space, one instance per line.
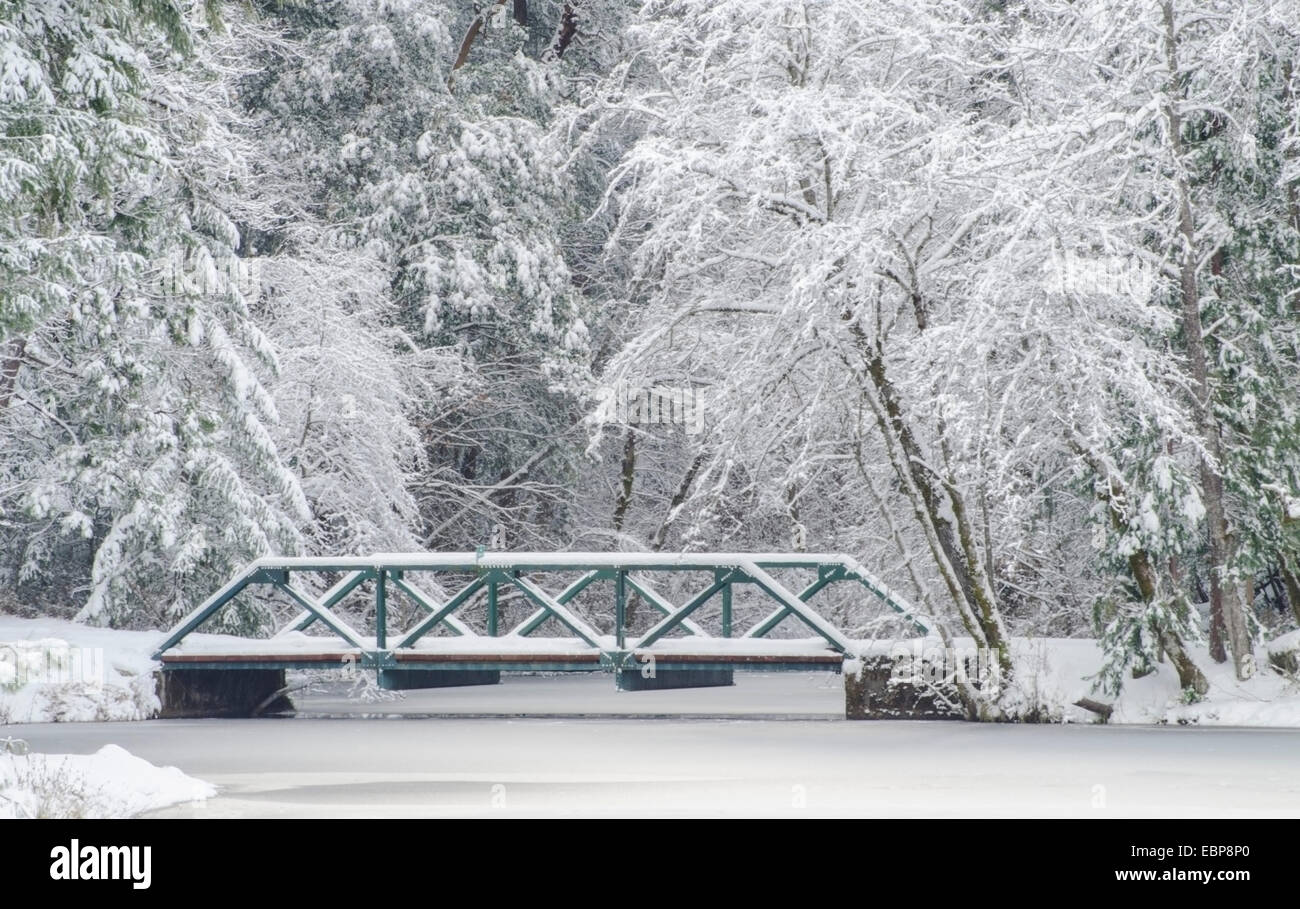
143 468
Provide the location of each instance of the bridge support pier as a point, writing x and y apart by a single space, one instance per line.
408 679
192 693
871 692
633 680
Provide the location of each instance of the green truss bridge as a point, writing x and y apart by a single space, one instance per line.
413 638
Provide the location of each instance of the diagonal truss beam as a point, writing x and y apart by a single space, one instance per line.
534 621
322 612
779 592
557 609
206 609
422 599
778 615
665 608
849 571
438 613
329 599
677 616
853 570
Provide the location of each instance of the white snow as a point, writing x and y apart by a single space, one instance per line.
703 561
1285 643
111 783
1054 673
297 642
510 643
1061 667
57 671
743 646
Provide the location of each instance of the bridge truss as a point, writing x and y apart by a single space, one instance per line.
675 645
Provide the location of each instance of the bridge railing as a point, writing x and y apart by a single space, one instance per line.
494 571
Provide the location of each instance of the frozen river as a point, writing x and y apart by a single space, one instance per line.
771 745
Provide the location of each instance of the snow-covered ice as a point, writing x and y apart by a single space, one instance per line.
731 763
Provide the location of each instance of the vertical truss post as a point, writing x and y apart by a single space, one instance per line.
381 609
492 606
620 608
726 604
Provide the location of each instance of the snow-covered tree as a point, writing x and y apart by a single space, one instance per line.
446 179
904 235
136 409
1193 103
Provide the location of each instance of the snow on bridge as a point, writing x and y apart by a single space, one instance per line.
457 653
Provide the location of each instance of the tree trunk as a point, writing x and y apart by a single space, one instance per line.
13 362
683 490
913 458
798 542
1212 491
1292 585
628 479
1218 631
1189 674
518 10
954 549
1142 569
565 32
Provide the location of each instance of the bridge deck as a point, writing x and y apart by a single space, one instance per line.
510 654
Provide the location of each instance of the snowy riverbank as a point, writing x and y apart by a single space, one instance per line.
1057 672
111 783
57 671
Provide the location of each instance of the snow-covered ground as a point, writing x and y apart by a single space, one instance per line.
111 783
1052 674
53 670
1057 673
